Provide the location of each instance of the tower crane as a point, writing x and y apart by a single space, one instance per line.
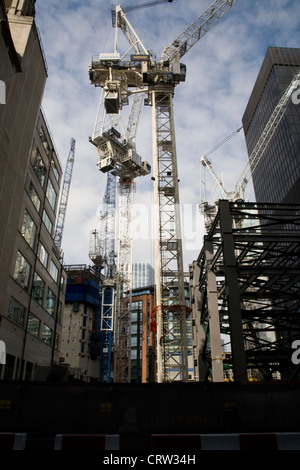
209 210
120 78
102 254
117 157
64 195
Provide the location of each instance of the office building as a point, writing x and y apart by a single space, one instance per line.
143 335
32 281
277 176
142 275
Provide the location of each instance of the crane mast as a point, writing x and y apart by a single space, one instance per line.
102 254
64 195
117 157
107 225
158 79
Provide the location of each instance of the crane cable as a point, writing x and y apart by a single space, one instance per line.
224 141
276 22
144 5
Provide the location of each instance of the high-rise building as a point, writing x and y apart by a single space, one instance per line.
277 176
31 274
142 275
143 334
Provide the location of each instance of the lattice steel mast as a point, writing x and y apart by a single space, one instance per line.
64 195
117 157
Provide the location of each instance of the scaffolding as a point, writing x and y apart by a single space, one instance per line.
245 289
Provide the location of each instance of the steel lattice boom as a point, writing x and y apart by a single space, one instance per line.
64 195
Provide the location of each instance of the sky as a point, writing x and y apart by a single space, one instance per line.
221 71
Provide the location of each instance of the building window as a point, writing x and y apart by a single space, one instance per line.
44 140
43 254
16 312
47 222
34 197
50 302
38 289
33 326
38 166
28 229
55 172
47 335
53 271
51 194
22 270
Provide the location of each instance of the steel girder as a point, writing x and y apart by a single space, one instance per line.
256 264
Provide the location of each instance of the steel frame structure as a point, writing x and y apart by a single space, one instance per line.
247 287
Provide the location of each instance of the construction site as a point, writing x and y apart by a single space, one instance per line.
206 357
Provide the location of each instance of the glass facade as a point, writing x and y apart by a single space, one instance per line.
38 165
16 312
136 341
28 229
34 197
42 282
142 275
51 194
277 175
22 270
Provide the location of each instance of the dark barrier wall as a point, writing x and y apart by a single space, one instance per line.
135 411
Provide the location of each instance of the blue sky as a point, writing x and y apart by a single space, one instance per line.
221 71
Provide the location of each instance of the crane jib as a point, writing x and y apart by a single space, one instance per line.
197 30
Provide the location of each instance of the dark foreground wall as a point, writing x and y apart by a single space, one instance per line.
135 411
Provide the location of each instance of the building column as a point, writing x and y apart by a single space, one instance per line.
234 303
214 317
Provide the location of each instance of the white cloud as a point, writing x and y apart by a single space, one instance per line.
221 71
